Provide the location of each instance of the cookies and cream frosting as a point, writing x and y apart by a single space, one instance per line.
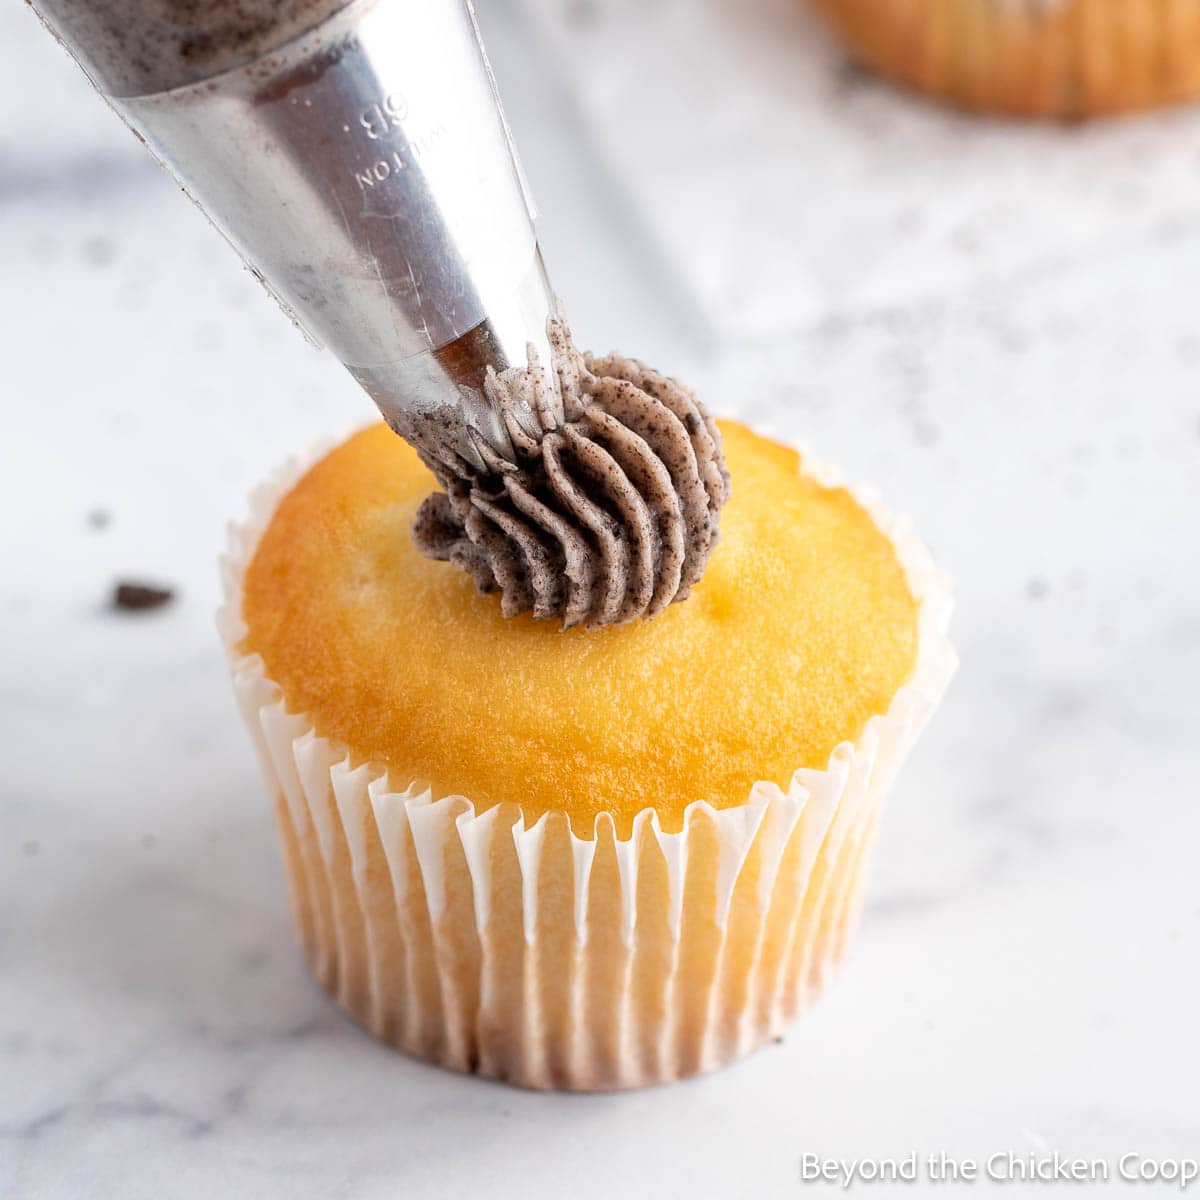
610 508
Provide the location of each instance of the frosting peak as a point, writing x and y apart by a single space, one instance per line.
609 511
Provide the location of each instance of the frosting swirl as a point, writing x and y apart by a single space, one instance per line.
609 511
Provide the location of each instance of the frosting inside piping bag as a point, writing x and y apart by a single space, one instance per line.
609 511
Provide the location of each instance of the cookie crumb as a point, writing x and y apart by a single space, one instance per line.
129 596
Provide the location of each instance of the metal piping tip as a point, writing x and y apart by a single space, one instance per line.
437 400
365 173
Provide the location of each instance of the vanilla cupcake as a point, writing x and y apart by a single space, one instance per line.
578 858
1036 58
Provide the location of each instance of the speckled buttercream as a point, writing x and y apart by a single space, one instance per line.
611 508
137 47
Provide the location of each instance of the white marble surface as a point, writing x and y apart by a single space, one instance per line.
998 326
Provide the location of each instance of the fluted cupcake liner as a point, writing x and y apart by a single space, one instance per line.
1046 58
536 955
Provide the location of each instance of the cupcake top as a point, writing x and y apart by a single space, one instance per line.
802 628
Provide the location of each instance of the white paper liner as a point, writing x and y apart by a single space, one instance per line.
552 960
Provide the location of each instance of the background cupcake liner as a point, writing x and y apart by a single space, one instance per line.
1049 58
552 960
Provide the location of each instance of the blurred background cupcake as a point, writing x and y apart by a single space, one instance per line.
1035 58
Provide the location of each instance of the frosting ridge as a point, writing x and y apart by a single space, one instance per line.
610 508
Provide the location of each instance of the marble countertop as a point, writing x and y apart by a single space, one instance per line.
998 326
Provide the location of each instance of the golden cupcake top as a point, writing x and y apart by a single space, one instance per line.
801 629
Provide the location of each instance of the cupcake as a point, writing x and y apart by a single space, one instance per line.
568 834
1036 58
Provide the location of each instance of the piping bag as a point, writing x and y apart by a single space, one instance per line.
357 158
